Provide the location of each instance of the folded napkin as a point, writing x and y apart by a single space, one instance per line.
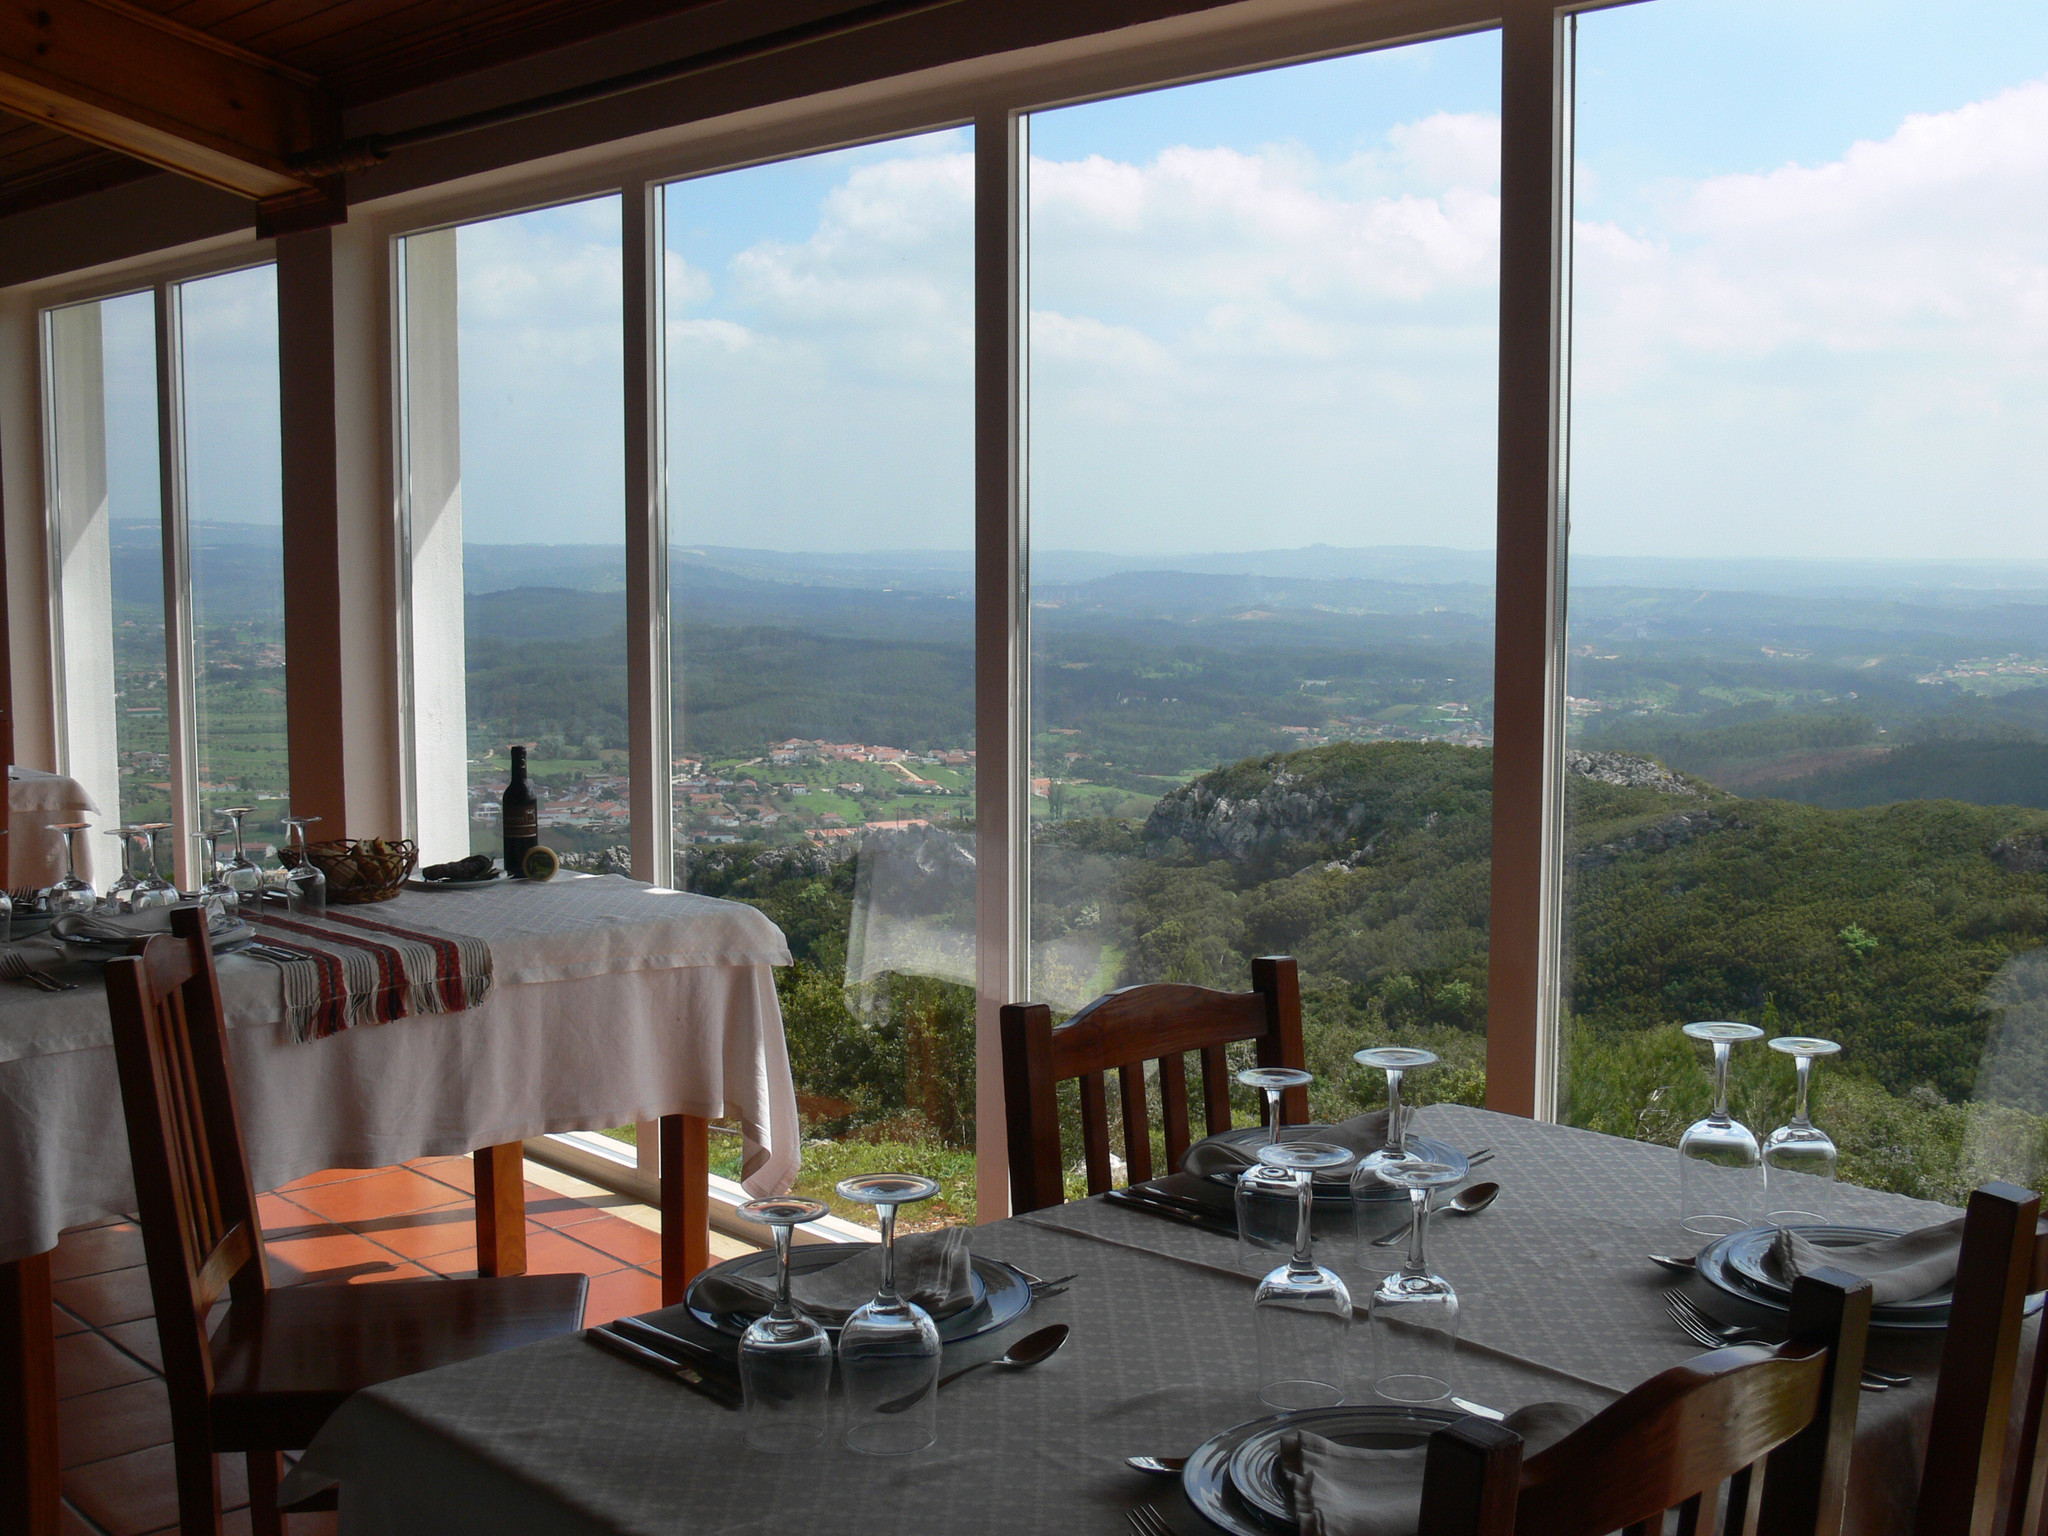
1216 1154
1349 1490
931 1269
1898 1268
121 927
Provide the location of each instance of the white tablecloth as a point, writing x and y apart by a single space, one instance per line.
35 799
587 1051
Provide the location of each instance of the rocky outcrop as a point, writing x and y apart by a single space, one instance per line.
1627 770
2024 853
1286 815
1657 837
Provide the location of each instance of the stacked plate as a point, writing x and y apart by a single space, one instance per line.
228 933
1234 1481
1740 1266
1001 1294
1336 1186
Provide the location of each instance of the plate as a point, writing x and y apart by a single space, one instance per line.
1900 1317
1206 1482
415 883
227 938
26 925
1748 1256
1001 1295
1254 1466
1252 1137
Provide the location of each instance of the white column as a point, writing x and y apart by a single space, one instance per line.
28 695
648 702
1001 648
81 556
431 489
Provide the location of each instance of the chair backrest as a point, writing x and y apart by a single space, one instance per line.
2002 1258
1121 1031
1673 1443
200 1231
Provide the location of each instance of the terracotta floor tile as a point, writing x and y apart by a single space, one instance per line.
62 1322
397 1271
458 1171
139 1339
326 1176
391 1192
136 1493
94 1250
421 1234
553 1210
278 1213
557 1253
622 1293
621 1239
319 1522
113 1422
88 1363
456 1264
117 1296
320 1253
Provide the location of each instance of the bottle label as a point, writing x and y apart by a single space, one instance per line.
523 822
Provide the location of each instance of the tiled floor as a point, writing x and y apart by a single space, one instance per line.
347 1227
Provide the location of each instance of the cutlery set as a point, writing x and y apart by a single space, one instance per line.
1702 1329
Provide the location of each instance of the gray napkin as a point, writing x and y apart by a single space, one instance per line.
115 927
1348 1490
1898 1268
1361 1134
931 1269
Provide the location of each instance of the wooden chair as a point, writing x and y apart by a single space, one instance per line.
1122 1030
1676 1440
2004 1256
282 1360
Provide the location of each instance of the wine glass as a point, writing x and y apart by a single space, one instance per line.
1302 1310
1801 1147
244 875
1274 1081
215 894
305 886
1720 1166
71 894
121 894
889 1348
1413 1313
785 1358
155 890
1396 1061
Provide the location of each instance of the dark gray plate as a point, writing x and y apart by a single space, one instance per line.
1254 1466
1748 1257
1252 1137
1206 1482
1001 1295
1713 1269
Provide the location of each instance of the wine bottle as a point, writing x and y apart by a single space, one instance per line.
521 819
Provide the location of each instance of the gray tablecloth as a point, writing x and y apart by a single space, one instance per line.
1559 1304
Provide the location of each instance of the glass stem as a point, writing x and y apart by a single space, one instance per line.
887 1216
1304 1221
1720 1079
1273 1111
1418 1257
1397 1140
782 1312
70 855
1804 1066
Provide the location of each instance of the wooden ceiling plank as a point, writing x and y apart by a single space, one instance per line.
321 30
127 79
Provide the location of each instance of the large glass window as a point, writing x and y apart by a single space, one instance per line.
235 514
514 456
1263 321
819 331
1808 778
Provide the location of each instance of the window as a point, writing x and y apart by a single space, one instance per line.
513 458
1807 782
1263 317
819 334
168 722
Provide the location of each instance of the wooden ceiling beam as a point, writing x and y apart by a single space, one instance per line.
130 80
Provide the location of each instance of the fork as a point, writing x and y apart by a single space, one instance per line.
1146 1520
1040 1289
1703 1330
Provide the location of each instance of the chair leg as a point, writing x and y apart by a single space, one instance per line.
198 1485
264 1474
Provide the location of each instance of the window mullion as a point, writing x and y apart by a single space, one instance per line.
179 700
648 705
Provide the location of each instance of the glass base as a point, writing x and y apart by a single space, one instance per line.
890 1437
1410 1388
1794 1219
1289 1396
1703 1224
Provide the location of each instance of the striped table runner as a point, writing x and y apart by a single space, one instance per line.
355 969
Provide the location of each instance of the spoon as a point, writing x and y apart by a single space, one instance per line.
1158 1466
1029 1350
1469 1201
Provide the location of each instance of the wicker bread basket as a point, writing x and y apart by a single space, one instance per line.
365 869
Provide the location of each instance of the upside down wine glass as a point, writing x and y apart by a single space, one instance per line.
1720 1166
71 894
1799 1159
1302 1311
305 886
785 1358
155 890
121 894
215 894
889 1348
1413 1313
1265 1193
1396 1061
245 878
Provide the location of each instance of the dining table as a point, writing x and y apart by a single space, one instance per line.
582 1003
1560 1304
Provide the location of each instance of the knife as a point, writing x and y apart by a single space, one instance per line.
1170 1212
697 1381
681 1350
